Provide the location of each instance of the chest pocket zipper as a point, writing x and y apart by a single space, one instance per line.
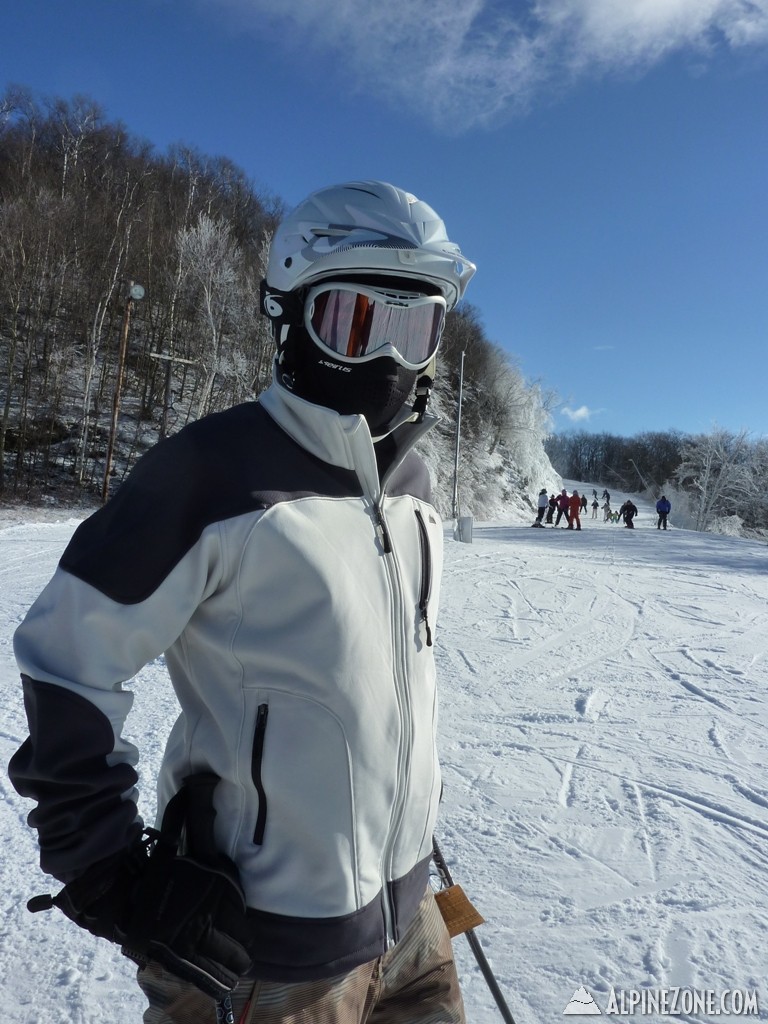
257 757
426 573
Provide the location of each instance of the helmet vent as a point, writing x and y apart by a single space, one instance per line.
400 243
332 232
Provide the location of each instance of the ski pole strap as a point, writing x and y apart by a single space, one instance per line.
439 860
224 1011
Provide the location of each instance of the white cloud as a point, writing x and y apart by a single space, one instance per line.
469 62
580 415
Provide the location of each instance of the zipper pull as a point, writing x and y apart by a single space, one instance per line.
425 620
426 573
382 529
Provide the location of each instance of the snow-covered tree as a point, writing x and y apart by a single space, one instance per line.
717 476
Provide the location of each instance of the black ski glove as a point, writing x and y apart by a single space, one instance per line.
187 915
99 899
191 918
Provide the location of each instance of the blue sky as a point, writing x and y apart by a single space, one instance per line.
604 162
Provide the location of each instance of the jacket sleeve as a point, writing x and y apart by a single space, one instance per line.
88 633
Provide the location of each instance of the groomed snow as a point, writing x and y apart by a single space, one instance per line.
604 736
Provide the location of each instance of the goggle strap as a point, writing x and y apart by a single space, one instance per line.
424 389
281 307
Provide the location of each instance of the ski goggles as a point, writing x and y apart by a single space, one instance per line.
355 323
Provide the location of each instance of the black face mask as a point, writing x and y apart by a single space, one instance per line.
376 389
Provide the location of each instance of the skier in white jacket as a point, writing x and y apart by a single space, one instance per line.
285 556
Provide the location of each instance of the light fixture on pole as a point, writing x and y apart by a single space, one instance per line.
134 293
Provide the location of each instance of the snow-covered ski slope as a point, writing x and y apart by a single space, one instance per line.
604 737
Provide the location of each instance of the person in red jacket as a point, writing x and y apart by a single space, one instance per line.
562 507
574 508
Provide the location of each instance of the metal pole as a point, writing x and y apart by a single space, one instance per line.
474 942
643 481
116 397
458 441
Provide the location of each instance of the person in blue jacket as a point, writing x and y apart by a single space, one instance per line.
663 507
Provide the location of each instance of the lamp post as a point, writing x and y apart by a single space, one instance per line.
458 440
134 293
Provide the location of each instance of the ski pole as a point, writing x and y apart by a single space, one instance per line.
472 939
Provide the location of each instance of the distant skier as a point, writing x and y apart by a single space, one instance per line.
574 508
552 508
562 507
595 507
663 507
543 504
627 512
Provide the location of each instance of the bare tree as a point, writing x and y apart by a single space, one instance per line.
210 261
84 207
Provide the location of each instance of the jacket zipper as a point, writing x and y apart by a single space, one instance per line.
381 527
257 756
426 573
403 761
401 683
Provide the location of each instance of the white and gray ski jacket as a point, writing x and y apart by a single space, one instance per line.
288 568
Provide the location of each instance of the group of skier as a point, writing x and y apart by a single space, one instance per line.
563 505
551 508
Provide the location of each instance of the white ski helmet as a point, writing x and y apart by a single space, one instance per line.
369 228
358 234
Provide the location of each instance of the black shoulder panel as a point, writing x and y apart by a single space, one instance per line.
411 477
221 466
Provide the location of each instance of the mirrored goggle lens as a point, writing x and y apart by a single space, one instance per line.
355 324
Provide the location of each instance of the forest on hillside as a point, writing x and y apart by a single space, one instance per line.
129 285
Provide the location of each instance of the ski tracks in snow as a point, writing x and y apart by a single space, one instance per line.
604 740
611 796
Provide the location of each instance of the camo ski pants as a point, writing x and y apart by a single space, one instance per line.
415 983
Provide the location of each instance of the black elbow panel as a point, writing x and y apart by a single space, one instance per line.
81 814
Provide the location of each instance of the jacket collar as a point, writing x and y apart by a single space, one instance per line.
343 441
